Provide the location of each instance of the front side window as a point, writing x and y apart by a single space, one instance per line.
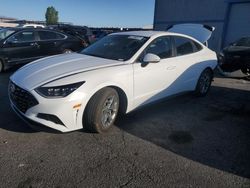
24 36
5 33
183 46
161 47
116 47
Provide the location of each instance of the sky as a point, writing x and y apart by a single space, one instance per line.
96 13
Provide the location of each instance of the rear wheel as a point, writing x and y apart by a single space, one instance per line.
102 110
204 83
246 71
67 51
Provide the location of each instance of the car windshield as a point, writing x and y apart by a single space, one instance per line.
243 42
116 47
5 33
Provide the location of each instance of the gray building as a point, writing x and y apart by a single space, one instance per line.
231 18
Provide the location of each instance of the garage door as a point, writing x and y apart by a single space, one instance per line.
239 22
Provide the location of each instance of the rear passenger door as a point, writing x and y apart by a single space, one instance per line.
50 42
187 63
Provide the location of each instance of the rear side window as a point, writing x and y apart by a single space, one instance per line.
161 47
184 46
60 36
47 35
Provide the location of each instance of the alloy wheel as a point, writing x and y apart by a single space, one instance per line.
109 111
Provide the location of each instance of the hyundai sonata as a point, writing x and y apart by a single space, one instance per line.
117 74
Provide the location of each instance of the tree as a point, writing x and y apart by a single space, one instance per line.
51 16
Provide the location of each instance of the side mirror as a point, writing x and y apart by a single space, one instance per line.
9 42
151 58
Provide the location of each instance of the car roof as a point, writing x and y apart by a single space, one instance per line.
33 29
25 28
154 34
142 33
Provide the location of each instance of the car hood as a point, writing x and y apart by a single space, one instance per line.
51 68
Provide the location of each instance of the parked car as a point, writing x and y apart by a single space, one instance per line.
23 45
82 32
119 73
236 56
98 34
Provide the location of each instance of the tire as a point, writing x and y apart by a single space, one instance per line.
204 83
246 71
67 51
101 110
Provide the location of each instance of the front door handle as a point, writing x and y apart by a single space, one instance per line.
34 44
171 67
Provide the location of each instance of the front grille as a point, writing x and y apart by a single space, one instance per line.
21 98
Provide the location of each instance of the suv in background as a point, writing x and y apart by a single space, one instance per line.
98 34
236 56
23 45
81 32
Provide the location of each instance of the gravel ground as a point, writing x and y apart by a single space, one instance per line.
181 142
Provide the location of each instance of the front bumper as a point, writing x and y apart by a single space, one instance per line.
33 124
58 113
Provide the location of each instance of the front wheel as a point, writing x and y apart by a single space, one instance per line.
204 83
102 110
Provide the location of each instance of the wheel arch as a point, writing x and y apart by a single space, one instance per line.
123 97
210 69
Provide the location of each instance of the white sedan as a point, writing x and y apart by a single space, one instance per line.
117 74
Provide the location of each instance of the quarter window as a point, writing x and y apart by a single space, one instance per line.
24 36
183 46
161 47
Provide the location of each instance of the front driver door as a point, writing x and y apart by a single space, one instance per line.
22 47
153 81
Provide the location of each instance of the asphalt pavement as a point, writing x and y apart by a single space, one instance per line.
181 142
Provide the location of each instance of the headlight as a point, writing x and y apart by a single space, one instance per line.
58 91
